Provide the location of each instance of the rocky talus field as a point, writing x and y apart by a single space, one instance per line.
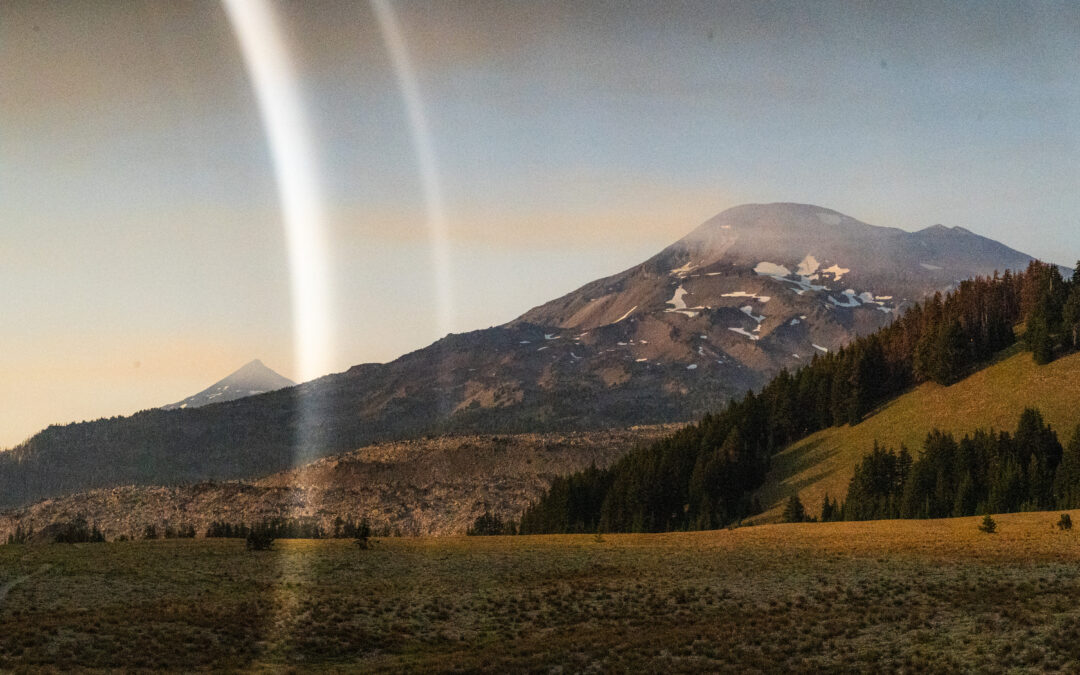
433 486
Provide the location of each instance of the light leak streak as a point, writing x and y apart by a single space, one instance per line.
425 155
281 107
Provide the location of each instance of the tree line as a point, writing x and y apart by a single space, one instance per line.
703 476
984 472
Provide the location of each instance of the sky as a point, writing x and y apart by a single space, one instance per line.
142 248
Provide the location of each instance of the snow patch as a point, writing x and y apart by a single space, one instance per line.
624 315
928 266
749 311
524 342
794 322
692 366
684 270
820 348
808 266
744 294
837 271
640 360
742 331
866 296
679 305
769 269
551 336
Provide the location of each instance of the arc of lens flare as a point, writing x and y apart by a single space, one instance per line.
281 107
425 155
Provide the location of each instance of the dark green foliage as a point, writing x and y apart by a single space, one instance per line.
293 528
702 476
149 532
830 510
1045 299
877 485
77 531
259 538
488 524
988 525
794 511
939 355
182 532
1065 522
1067 477
223 530
995 473
20 536
363 534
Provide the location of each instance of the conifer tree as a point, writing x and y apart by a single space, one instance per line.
794 511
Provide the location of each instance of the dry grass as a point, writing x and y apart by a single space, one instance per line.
991 398
896 595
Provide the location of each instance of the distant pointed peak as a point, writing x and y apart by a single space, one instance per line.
254 377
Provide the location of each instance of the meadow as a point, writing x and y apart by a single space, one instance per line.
895 595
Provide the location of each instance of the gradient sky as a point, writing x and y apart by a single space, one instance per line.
142 255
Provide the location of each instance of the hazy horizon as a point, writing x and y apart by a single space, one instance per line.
143 255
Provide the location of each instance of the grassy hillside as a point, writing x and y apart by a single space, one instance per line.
891 596
991 398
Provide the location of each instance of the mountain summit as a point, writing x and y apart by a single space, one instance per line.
252 378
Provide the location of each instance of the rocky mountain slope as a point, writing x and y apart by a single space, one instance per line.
252 378
753 290
431 487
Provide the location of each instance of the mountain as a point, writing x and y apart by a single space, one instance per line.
756 289
252 378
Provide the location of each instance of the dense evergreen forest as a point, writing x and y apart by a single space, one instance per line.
985 472
703 476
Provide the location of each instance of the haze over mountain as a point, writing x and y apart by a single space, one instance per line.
753 290
252 378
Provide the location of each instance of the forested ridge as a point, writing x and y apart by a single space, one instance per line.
703 476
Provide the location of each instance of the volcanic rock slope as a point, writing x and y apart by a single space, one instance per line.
753 290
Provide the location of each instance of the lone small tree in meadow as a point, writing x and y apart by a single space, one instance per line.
988 525
794 511
259 538
1065 522
363 534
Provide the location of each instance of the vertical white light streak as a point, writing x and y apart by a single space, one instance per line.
425 155
280 105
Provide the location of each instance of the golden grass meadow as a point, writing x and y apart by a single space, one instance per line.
911 596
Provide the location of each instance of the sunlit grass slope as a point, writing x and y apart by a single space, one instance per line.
991 398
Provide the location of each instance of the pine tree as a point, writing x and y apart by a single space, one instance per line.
828 510
1067 477
794 511
988 525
